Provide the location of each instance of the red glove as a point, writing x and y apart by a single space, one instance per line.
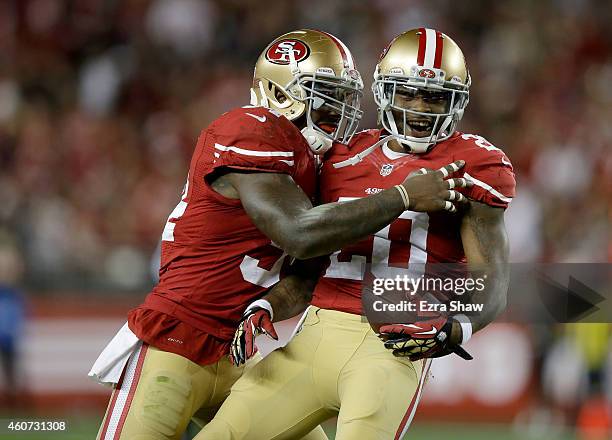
422 339
256 320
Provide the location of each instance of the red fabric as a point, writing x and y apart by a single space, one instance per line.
210 244
175 336
442 243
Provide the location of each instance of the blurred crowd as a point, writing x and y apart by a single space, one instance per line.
101 103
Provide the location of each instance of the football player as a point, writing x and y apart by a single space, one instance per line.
337 365
246 206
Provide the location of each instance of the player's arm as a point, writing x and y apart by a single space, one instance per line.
485 243
289 297
282 211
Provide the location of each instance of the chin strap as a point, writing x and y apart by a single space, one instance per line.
264 98
360 156
415 147
318 143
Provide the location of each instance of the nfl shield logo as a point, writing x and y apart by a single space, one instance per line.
386 169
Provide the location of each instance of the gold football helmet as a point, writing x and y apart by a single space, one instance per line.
310 73
425 66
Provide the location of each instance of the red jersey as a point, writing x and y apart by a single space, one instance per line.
214 260
415 237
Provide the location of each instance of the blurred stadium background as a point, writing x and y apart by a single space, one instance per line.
101 102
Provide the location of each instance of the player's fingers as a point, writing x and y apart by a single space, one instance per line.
455 196
447 170
459 182
420 172
268 328
236 337
397 343
235 349
390 345
386 329
248 346
397 329
448 206
249 336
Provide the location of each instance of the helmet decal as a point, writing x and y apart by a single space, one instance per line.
431 45
280 51
427 73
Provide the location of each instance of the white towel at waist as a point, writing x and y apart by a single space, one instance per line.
108 367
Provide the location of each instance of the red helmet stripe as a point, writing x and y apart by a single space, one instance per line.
439 49
422 45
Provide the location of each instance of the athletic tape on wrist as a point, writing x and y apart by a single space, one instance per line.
404 193
466 327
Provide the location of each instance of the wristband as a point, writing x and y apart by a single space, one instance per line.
261 303
404 193
466 327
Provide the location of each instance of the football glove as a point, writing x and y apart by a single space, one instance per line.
256 320
428 338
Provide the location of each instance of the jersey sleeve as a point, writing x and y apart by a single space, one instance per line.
253 139
491 172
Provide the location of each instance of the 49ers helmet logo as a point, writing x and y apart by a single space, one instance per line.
279 52
427 73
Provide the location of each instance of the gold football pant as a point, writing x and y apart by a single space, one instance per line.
160 392
336 365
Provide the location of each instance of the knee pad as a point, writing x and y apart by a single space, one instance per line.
166 398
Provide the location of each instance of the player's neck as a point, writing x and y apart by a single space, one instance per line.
395 145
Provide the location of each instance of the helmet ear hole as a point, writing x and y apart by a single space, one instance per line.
280 96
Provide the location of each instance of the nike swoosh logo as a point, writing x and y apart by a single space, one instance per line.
259 118
433 331
505 162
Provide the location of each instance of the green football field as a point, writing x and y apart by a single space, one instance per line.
86 429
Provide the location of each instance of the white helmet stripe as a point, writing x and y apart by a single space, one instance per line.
430 48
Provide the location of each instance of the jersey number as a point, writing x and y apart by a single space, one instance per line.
250 267
177 212
389 251
254 273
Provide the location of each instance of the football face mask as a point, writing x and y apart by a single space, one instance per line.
333 105
424 115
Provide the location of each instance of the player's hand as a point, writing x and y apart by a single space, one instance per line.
256 320
434 337
433 190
